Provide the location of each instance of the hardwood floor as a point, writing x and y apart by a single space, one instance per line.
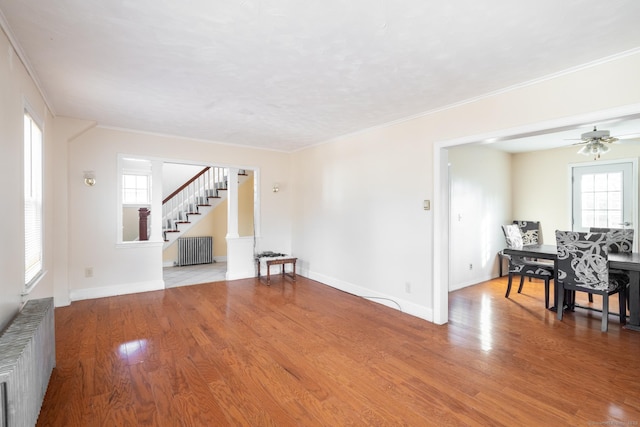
242 353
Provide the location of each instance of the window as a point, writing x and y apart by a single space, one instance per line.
603 195
135 189
135 193
33 245
602 199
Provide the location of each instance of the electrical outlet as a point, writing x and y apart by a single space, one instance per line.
407 287
88 272
470 266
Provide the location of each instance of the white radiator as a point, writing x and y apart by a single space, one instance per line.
195 250
27 358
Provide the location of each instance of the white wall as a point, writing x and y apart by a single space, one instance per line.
359 223
174 175
480 190
16 90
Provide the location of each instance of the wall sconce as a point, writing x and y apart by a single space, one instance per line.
275 188
89 178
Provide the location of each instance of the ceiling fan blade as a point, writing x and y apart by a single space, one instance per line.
629 136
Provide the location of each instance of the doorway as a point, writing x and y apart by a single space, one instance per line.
602 195
441 216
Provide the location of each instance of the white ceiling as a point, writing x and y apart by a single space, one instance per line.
285 74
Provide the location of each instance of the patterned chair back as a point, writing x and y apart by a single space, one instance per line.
513 236
620 239
582 259
530 231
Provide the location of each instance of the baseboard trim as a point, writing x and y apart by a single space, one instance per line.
240 275
458 286
391 301
114 290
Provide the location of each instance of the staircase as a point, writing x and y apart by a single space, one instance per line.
192 201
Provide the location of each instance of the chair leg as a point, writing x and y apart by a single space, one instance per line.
622 306
560 304
605 313
509 285
571 301
546 293
521 283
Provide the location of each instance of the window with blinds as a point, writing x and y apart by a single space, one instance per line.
33 245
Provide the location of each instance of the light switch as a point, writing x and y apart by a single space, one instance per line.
427 205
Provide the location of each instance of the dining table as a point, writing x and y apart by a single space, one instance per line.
629 262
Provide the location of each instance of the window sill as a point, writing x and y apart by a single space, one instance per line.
29 287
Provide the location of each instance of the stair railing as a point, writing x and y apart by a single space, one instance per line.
196 192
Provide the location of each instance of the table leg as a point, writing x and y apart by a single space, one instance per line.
556 289
258 269
634 301
268 274
294 270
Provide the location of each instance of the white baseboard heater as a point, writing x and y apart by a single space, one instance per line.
195 250
27 358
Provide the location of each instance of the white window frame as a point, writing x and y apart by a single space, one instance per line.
147 176
155 201
634 189
33 193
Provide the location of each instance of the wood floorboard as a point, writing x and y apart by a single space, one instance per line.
242 353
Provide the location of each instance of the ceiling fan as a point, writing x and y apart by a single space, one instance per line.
595 142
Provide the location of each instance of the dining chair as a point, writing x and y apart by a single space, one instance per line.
530 232
619 241
583 265
525 267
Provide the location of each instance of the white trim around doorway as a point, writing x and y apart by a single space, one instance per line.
441 188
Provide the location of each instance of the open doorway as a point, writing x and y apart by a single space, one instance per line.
196 201
442 209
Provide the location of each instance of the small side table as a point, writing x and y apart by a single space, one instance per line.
278 261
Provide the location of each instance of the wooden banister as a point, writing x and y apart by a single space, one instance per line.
183 186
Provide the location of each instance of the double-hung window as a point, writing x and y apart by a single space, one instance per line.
33 241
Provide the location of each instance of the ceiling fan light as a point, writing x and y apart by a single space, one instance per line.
585 150
593 148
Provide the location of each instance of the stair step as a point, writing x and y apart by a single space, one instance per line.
202 204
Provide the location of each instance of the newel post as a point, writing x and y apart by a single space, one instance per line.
143 214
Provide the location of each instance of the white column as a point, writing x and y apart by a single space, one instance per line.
232 204
156 201
240 263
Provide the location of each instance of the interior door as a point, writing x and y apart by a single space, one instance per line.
603 195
